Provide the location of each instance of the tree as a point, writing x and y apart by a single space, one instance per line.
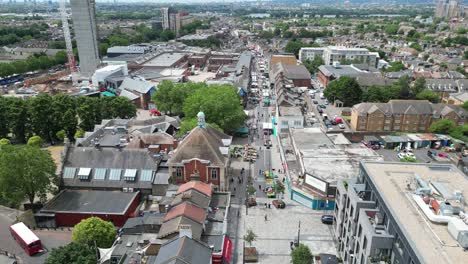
94 229
79 134
61 57
295 46
4 126
345 89
89 112
189 123
395 66
18 118
251 190
221 105
170 97
404 84
35 141
279 187
25 172
61 135
42 116
301 255
313 65
443 126
418 86
428 95
122 107
465 105
250 236
73 253
64 108
4 141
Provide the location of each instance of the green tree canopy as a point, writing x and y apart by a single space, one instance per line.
73 253
5 141
465 105
35 141
250 236
418 86
313 65
94 229
295 46
170 97
221 105
345 89
443 126
428 95
395 66
301 255
189 123
25 172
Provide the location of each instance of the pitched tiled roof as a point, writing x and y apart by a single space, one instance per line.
202 143
172 226
188 210
183 250
201 187
410 107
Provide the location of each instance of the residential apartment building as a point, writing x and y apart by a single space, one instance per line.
332 54
390 214
449 9
310 53
403 115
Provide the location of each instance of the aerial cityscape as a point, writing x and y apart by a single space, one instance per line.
222 131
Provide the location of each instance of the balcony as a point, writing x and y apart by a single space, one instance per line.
378 259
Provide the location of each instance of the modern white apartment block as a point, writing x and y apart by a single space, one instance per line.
332 54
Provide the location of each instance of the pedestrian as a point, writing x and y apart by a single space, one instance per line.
266 218
234 189
259 187
284 179
265 205
291 244
269 206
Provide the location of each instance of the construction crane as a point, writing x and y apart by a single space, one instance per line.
68 43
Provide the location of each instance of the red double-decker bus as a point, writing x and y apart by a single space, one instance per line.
26 238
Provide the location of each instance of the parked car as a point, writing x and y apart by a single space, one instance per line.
402 155
327 122
333 122
278 204
327 219
323 106
341 126
315 102
326 102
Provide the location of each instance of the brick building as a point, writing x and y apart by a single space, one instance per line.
403 115
203 155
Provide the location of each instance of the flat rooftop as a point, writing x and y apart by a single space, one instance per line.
326 160
431 242
90 202
165 60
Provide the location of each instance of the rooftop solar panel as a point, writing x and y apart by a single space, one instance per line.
69 173
115 174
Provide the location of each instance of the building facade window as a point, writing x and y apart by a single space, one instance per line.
179 172
214 174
